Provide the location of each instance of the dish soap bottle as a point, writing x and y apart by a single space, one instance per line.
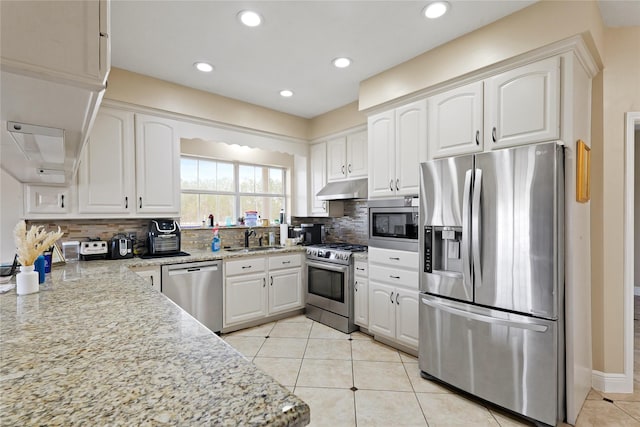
215 243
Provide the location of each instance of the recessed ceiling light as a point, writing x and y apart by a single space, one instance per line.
250 18
341 62
205 67
286 93
436 9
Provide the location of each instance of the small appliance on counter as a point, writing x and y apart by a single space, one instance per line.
307 234
163 239
121 247
93 249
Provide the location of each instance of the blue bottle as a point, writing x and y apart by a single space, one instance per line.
215 243
39 267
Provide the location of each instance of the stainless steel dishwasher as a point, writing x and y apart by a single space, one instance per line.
197 288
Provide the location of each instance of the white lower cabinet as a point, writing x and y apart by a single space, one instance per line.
394 296
258 287
151 275
361 294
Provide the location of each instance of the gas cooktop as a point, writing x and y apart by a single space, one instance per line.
347 247
339 253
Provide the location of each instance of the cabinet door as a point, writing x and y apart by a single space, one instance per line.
411 146
361 302
150 275
49 200
382 153
245 298
522 106
285 290
357 155
455 121
407 317
157 166
57 39
382 310
318 154
337 159
105 177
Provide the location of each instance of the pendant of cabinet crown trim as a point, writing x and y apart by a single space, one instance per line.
397 144
110 181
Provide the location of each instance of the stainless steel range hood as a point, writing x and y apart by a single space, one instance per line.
344 190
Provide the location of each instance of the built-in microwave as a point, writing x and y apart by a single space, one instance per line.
394 223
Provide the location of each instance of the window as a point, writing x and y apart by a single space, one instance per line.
228 189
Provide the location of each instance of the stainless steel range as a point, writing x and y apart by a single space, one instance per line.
330 284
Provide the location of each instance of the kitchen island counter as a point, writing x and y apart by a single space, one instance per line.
95 346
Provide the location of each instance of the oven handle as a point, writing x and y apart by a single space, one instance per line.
328 266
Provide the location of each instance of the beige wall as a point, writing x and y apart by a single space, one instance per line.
538 25
621 93
636 210
126 86
337 120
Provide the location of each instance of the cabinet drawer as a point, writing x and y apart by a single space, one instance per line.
402 259
284 261
361 268
245 266
394 276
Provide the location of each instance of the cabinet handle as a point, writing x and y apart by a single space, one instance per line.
246 266
62 200
391 297
342 169
493 134
394 277
359 269
477 137
393 258
151 281
271 280
397 300
356 286
140 202
398 184
349 168
264 282
324 206
126 202
286 262
391 185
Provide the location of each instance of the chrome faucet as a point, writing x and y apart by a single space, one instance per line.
248 233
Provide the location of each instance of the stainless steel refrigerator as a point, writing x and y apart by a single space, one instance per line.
492 279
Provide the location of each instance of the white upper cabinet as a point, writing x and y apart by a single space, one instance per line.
106 174
347 157
337 159
318 179
382 153
455 121
43 199
523 105
397 144
157 166
62 40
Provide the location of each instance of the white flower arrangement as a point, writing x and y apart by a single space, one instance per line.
30 245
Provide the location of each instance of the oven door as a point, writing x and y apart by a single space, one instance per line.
328 286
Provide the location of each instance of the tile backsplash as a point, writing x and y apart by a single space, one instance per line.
352 228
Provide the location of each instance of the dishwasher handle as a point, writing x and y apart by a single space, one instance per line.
189 270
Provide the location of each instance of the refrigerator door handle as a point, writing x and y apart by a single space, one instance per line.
466 225
475 228
483 318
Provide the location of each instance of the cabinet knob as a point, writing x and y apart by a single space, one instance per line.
493 134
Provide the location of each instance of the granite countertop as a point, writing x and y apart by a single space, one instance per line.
96 346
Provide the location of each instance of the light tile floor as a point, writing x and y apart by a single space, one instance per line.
323 367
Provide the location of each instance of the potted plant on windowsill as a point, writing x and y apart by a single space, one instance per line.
29 245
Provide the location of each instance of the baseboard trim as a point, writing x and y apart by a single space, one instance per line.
611 383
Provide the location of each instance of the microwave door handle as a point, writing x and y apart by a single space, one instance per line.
466 233
475 227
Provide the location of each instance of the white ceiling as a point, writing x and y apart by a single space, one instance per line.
294 47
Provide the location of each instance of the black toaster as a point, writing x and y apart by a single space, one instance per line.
121 247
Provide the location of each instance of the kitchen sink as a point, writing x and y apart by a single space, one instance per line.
254 249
